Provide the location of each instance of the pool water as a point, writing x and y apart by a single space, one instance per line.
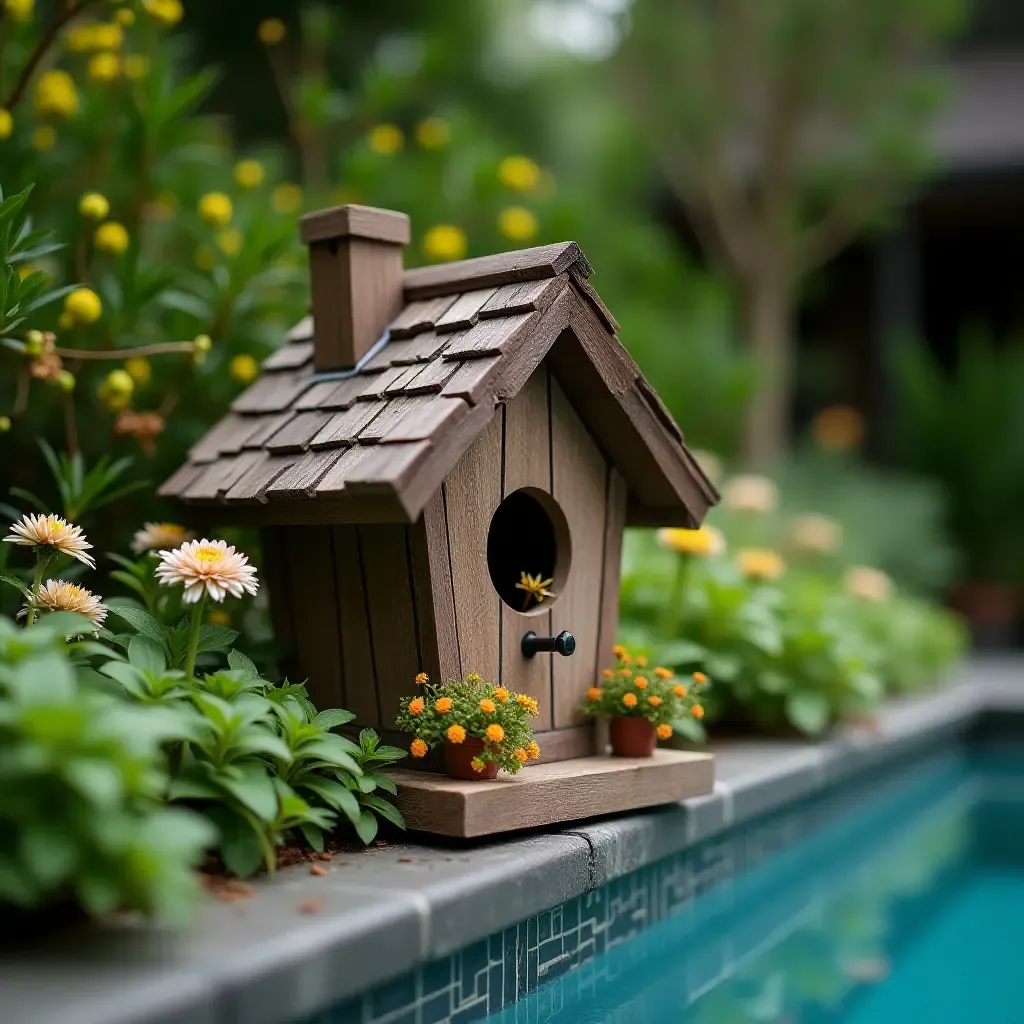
906 905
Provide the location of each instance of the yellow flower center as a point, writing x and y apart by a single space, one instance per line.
208 556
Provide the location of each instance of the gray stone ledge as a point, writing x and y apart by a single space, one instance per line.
389 909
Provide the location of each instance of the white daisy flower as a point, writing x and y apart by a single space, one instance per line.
868 584
61 596
156 536
52 532
207 565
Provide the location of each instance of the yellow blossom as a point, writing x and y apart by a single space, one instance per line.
230 241
455 734
248 174
421 678
94 206
761 563
56 95
167 12
445 242
418 748
135 66
495 733
286 197
533 750
6 123
202 343
594 693
111 237
750 492
607 673
640 683
19 10
139 370
629 699
527 702
697 711
443 705
44 137
620 652
5 424
663 673
83 305
838 428
705 541
655 701
699 679
664 731
517 224
679 690
215 208
125 16
416 706
104 67
501 693
641 661
521 755
519 173
433 133
96 36
487 706
385 139
625 672
534 586
271 31
478 765
119 382
243 368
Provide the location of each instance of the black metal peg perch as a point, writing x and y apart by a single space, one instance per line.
563 644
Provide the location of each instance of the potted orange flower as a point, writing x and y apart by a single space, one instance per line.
640 704
482 727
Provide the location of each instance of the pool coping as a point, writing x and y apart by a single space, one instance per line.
380 913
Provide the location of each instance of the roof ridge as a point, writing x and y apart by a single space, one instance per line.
503 268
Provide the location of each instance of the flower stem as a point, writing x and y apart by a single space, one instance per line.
37 582
193 636
671 622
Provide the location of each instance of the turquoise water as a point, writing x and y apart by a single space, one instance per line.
904 905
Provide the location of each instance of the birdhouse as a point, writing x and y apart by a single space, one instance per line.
421 441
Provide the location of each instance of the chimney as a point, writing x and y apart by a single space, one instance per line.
355 263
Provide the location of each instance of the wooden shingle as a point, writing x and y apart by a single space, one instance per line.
289 357
300 480
251 486
432 377
272 393
419 316
296 434
488 337
462 313
343 427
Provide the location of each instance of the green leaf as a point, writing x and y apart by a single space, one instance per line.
366 826
66 624
240 663
142 622
215 638
313 835
382 781
253 788
240 849
25 591
386 810
331 719
808 711
146 654
681 652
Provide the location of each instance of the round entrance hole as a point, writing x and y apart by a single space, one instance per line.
528 534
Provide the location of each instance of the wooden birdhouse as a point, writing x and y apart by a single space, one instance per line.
421 440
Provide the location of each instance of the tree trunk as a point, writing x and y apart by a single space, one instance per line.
769 318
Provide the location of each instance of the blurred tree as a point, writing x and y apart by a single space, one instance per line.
784 128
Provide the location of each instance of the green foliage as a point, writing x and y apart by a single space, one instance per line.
963 427
82 778
474 709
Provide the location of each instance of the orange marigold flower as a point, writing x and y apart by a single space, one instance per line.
443 704
594 693
629 699
625 672
477 764
619 651
521 755
663 673
607 673
655 701
664 731
501 693
455 734
697 711
640 683
421 678
416 706
527 702
533 750
418 748
494 733
641 661
679 690
487 706
699 678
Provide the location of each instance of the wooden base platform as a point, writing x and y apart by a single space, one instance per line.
548 794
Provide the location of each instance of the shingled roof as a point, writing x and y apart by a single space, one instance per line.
378 440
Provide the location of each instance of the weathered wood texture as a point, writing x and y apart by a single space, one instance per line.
550 793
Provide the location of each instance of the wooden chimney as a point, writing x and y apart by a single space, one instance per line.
355 257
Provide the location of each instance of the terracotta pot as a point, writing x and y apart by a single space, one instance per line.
458 758
990 610
633 737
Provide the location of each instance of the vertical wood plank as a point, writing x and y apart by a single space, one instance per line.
314 602
473 492
579 476
393 625
274 577
353 626
614 524
527 464
435 597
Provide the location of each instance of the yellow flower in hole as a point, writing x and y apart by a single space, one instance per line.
443 705
663 673
679 690
421 678
494 733
502 694
488 707
94 206
445 242
761 563
385 139
629 699
215 208
705 541
640 683
521 755
416 706
248 174
594 693
455 734
111 237
519 173
271 31
433 133
243 368
697 711
655 701
477 765
534 586
533 750
664 731
699 678
517 224
418 748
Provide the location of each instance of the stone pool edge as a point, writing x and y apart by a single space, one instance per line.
384 912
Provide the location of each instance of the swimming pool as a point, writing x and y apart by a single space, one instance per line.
899 900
